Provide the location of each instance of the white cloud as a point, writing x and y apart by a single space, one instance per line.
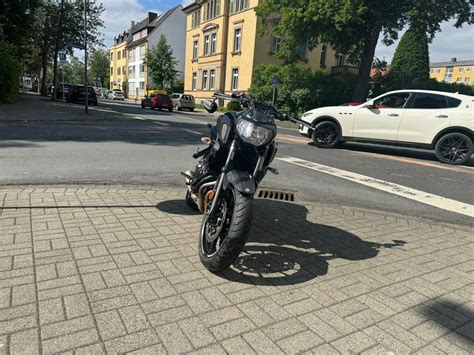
450 42
118 15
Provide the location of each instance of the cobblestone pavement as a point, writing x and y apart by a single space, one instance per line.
102 269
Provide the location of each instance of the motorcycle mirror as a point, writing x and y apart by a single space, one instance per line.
210 106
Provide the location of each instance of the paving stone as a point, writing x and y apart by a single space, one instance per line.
65 327
196 332
51 311
300 342
70 341
174 339
320 327
134 319
354 343
24 342
284 329
110 325
76 305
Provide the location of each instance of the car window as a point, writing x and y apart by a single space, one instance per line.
191 97
429 101
452 102
397 100
162 96
153 95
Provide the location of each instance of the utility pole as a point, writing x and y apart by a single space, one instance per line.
86 107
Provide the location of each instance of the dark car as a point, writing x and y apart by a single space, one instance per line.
77 94
161 101
63 90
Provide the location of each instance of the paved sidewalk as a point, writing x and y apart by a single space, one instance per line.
105 269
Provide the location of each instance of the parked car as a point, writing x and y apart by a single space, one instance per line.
182 101
441 121
351 104
161 101
116 94
77 94
63 90
146 100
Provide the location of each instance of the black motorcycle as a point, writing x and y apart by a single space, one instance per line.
222 186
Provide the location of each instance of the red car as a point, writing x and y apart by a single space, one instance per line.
160 101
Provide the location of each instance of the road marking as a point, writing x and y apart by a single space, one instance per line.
465 169
286 138
399 190
193 132
139 118
161 123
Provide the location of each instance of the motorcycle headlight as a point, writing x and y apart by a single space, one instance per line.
253 134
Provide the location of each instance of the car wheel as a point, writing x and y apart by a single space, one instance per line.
170 109
152 108
454 148
143 106
159 108
176 107
327 134
191 110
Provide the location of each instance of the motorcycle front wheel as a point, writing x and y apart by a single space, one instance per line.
223 236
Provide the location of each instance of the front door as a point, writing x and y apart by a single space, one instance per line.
427 115
381 120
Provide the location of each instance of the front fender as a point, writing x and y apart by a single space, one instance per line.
241 180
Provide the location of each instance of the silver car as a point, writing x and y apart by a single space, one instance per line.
116 95
182 101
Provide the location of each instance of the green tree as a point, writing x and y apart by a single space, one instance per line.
100 68
411 61
355 26
10 72
161 63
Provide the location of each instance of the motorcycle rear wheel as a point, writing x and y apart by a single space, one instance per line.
236 215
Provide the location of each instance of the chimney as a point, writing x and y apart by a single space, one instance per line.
132 24
152 16
453 60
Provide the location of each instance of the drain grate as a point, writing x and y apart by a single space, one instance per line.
275 195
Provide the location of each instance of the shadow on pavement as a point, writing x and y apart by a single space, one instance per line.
393 151
453 317
285 248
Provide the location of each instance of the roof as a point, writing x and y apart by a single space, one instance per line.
160 19
445 93
192 6
458 63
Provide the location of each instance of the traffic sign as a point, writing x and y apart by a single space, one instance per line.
275 81
62 58
76 45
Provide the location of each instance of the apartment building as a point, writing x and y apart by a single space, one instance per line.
223 48
453 71
119 62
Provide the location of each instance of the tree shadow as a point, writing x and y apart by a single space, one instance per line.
453 317
285 248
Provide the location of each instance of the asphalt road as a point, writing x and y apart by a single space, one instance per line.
129 145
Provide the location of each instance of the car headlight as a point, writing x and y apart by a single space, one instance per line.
253 134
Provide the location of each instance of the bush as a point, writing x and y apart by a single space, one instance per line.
233 106
10 71
301 88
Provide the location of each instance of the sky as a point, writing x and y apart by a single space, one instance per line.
450 42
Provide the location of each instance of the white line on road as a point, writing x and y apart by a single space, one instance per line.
193 132
399 190
161 123
139 118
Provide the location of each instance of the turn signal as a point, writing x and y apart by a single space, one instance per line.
210 195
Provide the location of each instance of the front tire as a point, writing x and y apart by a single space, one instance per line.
326 134
218 254
454 148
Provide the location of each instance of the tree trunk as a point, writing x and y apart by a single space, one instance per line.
44 78
367 58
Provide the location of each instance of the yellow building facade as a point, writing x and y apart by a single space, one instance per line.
223 47
454 71
119 62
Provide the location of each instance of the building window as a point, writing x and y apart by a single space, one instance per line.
237 39
238 5
111 56
468 69
142 52
130 54
438 71
461 69
276 40
432 71
195 49
204 79
193 83
340 60
123 53
196 18
213 43
212 79
467 79
301 52
142 70
124 70
449 74
211 9
111 71
459 80
119 55
118 71
206 45
142 85
235 79
322 60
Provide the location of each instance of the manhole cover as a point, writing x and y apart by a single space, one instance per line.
271 194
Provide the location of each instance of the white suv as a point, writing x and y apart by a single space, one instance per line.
419 118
